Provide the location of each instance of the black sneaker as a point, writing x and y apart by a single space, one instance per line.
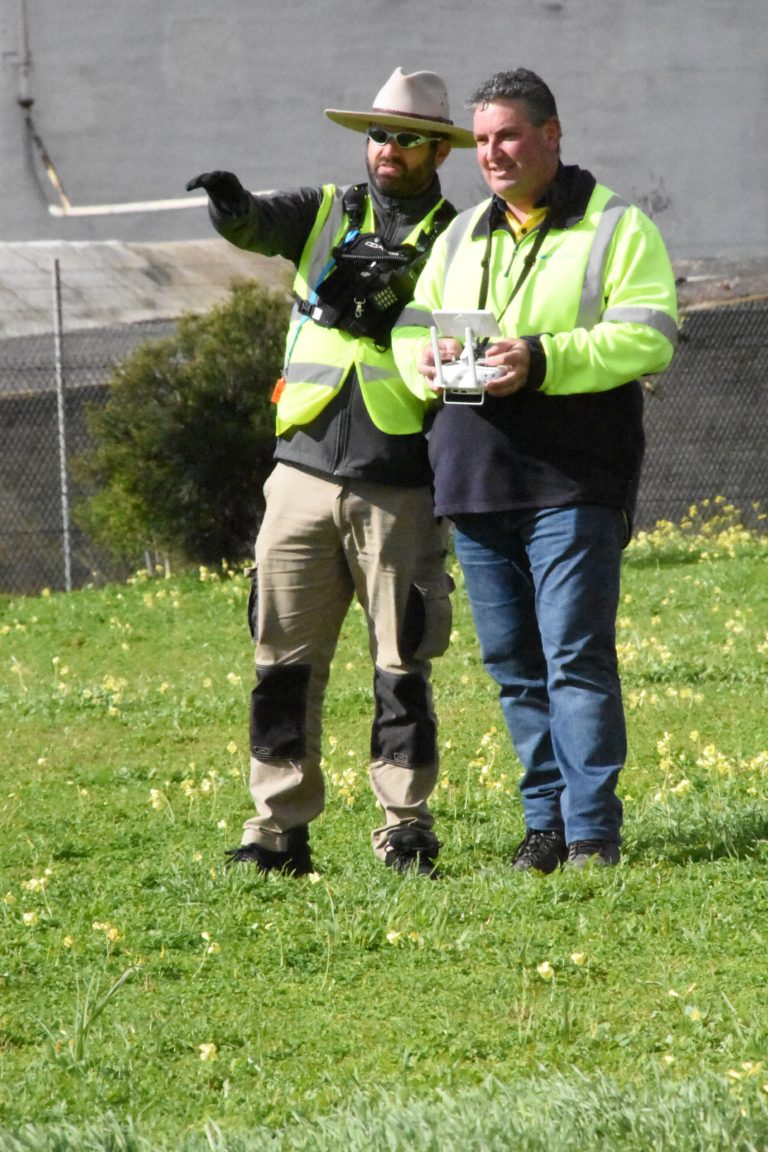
600 853
412 849
540 851
295 861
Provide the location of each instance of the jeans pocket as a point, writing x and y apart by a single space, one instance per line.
426 630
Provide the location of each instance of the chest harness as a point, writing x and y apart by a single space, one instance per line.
367 282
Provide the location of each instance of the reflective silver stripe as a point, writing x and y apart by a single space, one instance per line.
321 246
455 236
591 303
306 372
368 373
650 316
414 318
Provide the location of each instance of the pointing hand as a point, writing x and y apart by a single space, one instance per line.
224 190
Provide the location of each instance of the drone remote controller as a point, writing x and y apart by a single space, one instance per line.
463 381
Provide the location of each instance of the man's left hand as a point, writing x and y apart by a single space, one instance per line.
515 358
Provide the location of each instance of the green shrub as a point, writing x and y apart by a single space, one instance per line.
184 443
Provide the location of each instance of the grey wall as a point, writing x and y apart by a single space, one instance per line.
664 99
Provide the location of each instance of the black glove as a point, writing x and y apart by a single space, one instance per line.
225 191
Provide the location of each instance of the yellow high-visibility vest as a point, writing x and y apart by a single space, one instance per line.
318 359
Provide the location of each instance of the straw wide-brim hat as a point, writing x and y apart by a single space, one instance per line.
417 101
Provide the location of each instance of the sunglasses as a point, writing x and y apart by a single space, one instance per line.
380 136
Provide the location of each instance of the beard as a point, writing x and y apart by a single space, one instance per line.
405 182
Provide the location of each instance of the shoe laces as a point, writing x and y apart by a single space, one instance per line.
535 839
586 847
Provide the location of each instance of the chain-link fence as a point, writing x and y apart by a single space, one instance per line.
707 417
46 389
706 422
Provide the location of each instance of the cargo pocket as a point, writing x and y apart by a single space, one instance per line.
426 630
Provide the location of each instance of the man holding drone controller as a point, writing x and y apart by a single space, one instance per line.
541 479
349 507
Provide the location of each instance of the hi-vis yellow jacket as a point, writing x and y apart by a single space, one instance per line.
592 293
318 359
599 299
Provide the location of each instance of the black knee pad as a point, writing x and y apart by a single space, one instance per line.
404 728
278 712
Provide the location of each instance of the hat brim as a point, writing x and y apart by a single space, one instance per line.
361 121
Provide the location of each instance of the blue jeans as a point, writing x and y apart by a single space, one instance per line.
544 592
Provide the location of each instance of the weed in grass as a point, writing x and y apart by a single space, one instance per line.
72 1043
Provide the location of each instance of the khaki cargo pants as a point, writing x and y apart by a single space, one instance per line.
322 542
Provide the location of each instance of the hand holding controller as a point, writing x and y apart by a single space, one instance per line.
463 381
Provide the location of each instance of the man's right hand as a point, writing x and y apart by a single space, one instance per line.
225 191
450 350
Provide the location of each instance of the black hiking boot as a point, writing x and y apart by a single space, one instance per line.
597 853
412 849
295 861
540 852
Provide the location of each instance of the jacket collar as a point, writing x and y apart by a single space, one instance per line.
404 212
567 198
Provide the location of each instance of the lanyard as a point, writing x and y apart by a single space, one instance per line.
528 262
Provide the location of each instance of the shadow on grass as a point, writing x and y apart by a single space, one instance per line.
672 558
740 835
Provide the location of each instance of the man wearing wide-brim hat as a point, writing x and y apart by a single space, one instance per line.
423 94
349 505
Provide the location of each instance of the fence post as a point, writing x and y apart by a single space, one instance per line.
57 336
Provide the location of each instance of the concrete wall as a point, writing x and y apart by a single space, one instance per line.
665 101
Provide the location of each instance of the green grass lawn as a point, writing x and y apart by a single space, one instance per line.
152 999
